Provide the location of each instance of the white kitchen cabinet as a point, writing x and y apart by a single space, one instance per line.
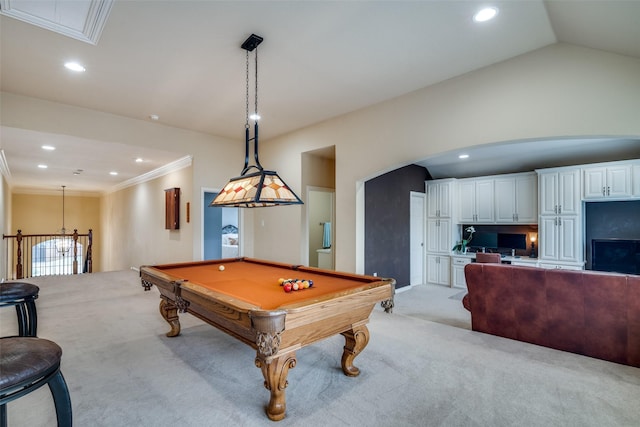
457 271
440 198
438 269
607 182
560 239
476 201
559 192
516 199
560 222
635 181
439 235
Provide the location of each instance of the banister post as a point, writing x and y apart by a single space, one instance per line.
75 251
89 253
19 264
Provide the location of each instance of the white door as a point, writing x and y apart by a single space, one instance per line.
416 239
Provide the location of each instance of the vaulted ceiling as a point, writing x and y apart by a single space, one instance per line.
181 61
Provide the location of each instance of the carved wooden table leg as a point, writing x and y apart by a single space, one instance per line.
275 373
169 312
356 340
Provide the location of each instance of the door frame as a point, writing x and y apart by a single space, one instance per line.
204 190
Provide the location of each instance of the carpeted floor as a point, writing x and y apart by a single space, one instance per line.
423 367
458 296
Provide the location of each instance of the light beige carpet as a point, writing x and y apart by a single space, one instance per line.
423 367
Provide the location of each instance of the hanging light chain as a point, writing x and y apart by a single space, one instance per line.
63 229
247 94
256 102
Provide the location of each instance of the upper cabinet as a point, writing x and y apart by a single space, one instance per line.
440 198
559 192
516 198
607 182
476 196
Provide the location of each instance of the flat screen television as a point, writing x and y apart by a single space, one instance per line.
512 241
484 240
615 255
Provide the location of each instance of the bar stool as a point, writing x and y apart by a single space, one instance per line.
23 296
28 363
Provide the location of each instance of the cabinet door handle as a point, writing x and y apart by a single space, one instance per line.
603 192
555 209
608 191
559 221
559 209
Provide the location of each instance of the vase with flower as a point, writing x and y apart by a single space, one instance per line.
461 246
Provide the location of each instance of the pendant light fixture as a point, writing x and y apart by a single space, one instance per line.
260 188
63 242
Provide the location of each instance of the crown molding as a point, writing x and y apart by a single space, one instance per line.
174 166
88 30
4 167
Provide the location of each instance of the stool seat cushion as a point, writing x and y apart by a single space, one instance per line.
13 291
26 358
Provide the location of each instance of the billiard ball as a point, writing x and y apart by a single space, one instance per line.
281 281
221 268
295 286
287 287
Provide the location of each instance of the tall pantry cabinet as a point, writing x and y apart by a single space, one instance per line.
440 232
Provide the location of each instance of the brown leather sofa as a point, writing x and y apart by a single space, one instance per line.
586 312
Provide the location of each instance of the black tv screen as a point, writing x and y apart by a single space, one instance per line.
512 241
615 255
484 240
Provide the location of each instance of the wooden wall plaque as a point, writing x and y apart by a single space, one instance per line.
172 209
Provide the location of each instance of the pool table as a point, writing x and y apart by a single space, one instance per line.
243 297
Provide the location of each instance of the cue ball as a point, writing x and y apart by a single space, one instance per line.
221 268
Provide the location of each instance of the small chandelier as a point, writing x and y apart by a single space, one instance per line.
260 188
63 242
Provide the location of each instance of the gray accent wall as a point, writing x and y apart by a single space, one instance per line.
387 215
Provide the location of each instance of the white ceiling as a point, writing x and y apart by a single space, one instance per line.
182 61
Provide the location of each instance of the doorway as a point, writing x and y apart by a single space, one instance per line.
220 230
320 229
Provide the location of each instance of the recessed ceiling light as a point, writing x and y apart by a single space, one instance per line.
74 66
114 173
485 14
48 147
42 166
139 160
154 117
463 156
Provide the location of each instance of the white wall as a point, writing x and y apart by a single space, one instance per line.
557 91
5 222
